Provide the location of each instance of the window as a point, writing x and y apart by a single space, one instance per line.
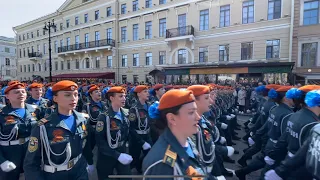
203 54
149 59
135 5
20 68
225 16
38 48
61 43
224 53
97 62
7 50
124 60
311 12
162 27
31 34
20 53
44 48
55 46
109 33
109 12
7 62
25 68
135 32
77 64
204 20
246 50
162 57
28 50
29 68
162 1
39 67
135 60
77 39
309 54
148 3
273 49
27 35
61 26
274 9
248 12
7 72
24 37
68 43
87 61
24 52
97 38
85 18
38 33
96 15
109 61
123 8
148 30
76 20
123 34
124 79
56 65
45 66
135 79
62 65
33 69
67 23
182 56
19 37
86 40
68 65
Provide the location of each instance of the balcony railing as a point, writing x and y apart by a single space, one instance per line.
87 45
180 31
34 55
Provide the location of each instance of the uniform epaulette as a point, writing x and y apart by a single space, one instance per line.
85 115
169 157
42 121
125 111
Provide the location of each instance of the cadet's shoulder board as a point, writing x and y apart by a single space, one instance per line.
85 115
169 157
33 144
99 126
42 121
125 111
132 116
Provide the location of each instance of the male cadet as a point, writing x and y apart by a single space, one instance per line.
36 99
140 123
16 121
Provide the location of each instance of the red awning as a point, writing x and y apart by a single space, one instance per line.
106 75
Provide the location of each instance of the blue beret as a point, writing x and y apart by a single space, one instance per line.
313 98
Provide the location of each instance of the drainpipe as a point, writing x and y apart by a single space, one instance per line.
291 30
117 39
16 60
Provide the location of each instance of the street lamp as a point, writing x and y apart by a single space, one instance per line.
47 27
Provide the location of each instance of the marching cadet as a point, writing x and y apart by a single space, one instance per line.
174 153
36 92
94 108
112 135
57 142
157 92
308 153
16 121
140 123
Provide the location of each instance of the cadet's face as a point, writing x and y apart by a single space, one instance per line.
213 96
96 95
203 102
16 95
36 92
66 100
144 95
187 119
161 91
119 99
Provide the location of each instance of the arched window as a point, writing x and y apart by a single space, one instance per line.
39 67
87 63
182 56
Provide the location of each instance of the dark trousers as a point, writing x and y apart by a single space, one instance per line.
251 152
106 166
256 164
135 152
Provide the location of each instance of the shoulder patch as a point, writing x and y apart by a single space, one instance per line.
42 121
132 116
33 144
169 157
99 126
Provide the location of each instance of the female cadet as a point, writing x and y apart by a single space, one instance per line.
174 153
16 120
157 92
56 144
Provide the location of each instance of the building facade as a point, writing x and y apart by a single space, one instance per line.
8 64
306 41
161 40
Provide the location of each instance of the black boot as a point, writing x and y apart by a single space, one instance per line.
227 173
242 162
240 174
228 159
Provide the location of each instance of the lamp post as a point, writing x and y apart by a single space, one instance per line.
47 27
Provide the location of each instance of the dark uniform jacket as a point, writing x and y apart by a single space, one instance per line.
42 106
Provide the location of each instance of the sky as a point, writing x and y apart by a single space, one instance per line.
17 12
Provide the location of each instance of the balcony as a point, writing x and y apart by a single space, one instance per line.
185 33
35 56
87 46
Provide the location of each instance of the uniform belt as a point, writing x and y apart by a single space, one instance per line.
290 154
67 167
15 142
274 141
143 131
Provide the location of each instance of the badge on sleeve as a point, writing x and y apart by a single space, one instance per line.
132 116
99 126
169 157
33 144
9 120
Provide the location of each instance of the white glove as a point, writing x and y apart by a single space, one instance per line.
7 166
232 111
223 140
269 161
230 151
271 175
224 126
233 116
228 117
221 178
90 169
146 146
125 159
250 141
251 133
